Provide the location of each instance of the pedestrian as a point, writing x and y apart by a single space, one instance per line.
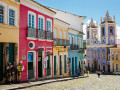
13 70
98 74
8 73
20 68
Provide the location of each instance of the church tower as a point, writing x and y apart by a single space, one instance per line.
108 30
92 33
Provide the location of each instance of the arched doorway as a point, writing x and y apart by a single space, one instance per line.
95 65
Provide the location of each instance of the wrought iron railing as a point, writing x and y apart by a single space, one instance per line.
61 42
81 50
41 34
49 35
31 32
73 47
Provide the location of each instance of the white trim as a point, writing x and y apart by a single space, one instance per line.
50 20
34 63
32 13
16 15
33 44
37 7
5 11
72 42
70 38
42 17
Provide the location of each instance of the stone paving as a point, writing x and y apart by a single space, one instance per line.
105 82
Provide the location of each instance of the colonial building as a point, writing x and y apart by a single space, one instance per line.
36 40
60 49
98 50
75 33
115 59
9 34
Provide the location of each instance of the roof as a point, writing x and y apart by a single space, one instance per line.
68 13
43 6
62 21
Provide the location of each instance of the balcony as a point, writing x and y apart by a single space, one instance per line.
49 35
61 42
73 47
81 50
31 32
41 34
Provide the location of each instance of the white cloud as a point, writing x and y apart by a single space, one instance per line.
118 31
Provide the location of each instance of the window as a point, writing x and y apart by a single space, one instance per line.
103 31
1 14
64 35
49 25
103 54
112 56
31 45
116 56
11 17
111 30
31 19
75 40
113 66
94 53
116 67
60 34
55 33
87 34
70 39
40 23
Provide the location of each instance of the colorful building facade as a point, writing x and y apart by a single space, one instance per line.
115 59
36 40
60 49
9 35
98 50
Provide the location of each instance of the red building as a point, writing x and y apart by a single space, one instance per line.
35 40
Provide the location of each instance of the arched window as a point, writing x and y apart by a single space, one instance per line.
1 14
116 56
111 30
103 31
103 54
87 34
112 56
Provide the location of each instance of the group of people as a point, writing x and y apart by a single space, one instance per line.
13 72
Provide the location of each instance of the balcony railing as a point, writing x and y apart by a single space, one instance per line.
41 34
81 50
73 47
49 35
31 32
61 42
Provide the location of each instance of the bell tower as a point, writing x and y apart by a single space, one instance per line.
108 30
92 33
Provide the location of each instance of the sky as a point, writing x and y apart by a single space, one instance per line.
90 8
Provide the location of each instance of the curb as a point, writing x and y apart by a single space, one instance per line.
57 80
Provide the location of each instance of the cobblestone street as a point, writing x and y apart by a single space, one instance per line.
105 82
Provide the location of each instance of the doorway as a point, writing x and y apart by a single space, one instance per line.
40 64
73 66
1 61
108 68
30 65
54 65
95 66
60 60
11 53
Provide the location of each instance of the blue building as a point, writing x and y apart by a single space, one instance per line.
73 51
98 48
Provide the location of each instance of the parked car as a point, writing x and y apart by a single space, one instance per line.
116 73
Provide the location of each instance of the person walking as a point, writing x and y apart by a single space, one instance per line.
13 72
8 72
88 73
98 74
20 68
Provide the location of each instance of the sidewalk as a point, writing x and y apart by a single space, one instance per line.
36 83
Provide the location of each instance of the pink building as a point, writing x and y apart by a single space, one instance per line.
35 40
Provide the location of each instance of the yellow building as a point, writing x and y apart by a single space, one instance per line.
9 34
115 59
60 49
